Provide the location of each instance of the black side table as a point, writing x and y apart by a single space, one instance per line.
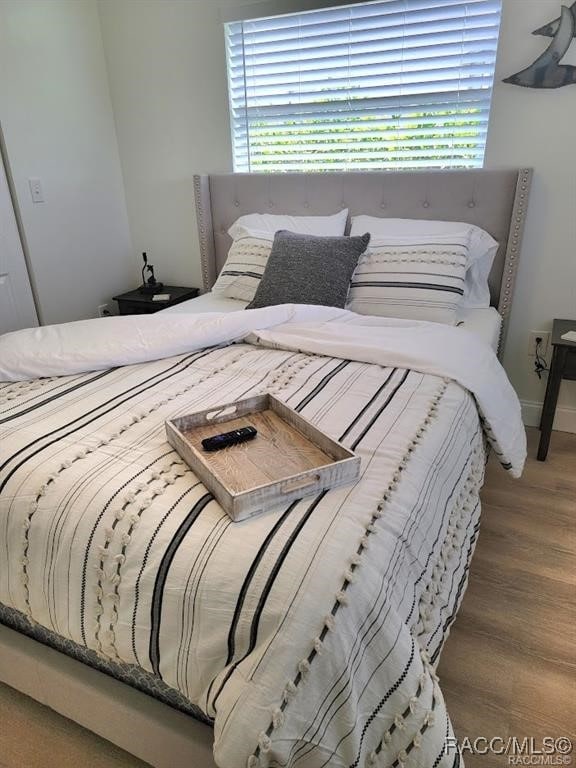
136 303
563 366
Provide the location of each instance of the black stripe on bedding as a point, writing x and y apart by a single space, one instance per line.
380 411
441 245
56 396
459 592
158 593
243 264
91 538
143 566
443 750
220 528
398 284
243 273
320 386
276 569
250 575
367 406
268 587
453 598
418 273
383 700
150 382
442 459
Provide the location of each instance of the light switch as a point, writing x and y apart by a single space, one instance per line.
36 191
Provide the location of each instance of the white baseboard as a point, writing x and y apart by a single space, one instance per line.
564 421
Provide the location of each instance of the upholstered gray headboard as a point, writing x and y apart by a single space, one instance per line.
494 200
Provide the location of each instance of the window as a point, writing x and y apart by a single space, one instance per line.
391 84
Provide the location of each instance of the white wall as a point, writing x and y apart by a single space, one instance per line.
57 121
166 63
167 71
530 127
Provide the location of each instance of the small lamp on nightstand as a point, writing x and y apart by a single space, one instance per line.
150 285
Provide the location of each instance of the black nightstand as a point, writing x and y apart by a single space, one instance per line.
136 303
563 366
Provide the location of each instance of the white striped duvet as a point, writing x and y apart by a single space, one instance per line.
306 632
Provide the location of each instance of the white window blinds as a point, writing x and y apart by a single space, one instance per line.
389 84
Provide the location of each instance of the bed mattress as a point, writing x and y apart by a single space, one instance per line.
307 634
484 323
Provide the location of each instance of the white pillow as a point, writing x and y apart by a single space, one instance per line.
245 265
253 235
410 280
482 247
303 225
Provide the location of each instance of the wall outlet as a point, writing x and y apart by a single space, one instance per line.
36 191
104 310
543 349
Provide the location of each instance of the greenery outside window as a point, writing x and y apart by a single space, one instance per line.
391 84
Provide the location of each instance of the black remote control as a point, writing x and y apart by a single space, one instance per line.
229 438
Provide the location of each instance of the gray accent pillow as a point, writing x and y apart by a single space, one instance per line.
309 269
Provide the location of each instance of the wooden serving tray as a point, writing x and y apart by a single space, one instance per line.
288 459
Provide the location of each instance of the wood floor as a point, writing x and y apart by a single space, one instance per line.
509 666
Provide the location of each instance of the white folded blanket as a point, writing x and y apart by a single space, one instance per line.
432 348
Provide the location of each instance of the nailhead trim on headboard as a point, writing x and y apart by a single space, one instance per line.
513 250
205 230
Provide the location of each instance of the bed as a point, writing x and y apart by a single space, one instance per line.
309 635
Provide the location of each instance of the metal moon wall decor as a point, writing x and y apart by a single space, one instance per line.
546 71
